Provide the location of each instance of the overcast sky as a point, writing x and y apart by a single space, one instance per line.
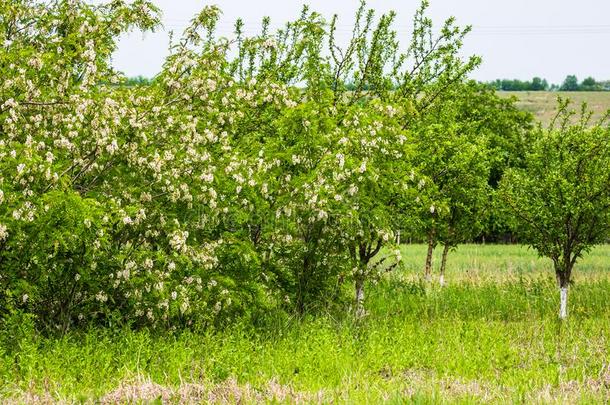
517 38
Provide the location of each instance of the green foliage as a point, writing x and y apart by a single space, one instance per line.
462 152
560 199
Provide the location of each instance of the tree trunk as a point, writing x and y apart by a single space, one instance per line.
359 283
428 270
563 306
563 279
443 265
398 237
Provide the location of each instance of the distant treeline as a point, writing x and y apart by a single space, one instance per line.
138 81
570 83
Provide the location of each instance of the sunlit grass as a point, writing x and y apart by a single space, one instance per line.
491 334
500 263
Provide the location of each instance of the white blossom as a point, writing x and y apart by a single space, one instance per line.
178 241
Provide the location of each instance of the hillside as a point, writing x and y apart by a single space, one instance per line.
543 103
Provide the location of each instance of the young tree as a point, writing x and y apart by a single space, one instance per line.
455 163
467 200
457 148
560 199
402 89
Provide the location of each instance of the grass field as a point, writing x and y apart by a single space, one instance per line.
490 335
543 103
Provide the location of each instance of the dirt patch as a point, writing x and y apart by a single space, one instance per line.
144 390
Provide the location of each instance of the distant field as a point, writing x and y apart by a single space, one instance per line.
543 103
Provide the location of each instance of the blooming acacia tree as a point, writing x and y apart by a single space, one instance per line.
60 131
110 207
251 170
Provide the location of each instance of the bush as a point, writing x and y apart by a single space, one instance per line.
246 177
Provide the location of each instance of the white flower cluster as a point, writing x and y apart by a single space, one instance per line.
3 232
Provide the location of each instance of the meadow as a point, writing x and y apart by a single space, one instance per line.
543 104
490 335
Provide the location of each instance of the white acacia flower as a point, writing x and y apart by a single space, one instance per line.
178 241
112 147
207 177
341 159
362 168
269 43
353 189
3 233
101 297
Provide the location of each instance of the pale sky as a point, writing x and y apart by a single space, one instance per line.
517 38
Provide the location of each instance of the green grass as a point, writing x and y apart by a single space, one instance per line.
543 104
490 335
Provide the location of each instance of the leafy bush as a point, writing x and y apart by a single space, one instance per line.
246 176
